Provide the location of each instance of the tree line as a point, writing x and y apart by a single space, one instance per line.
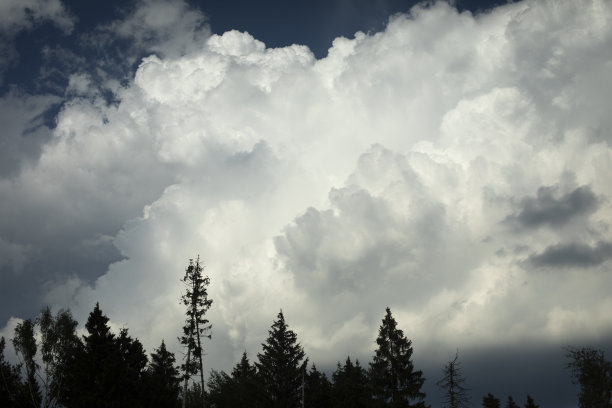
58 368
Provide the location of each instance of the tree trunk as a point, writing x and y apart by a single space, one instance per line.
186 378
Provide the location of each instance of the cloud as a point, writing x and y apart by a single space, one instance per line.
24 131
379 176
573 255
546 209
169 28
19 15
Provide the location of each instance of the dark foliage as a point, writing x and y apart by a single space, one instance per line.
593 373
351 387
241 389
530 403
318 389
511 404
13 391
489 401
162 379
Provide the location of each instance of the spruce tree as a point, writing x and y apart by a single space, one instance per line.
97 371
196 326
281 366
163 379
489 401
238 390
350 386
455 392
245 384
511 404
530 403
318 391
395 382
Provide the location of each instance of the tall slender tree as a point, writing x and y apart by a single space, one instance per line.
282 366
395 382
452 383
196 326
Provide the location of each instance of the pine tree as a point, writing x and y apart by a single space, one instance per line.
395 382
593 372
318 392
489 401
246 384
97 372
530 403
350 386
455 393
238 390
511 404
281 366
196 326
133 362
163 379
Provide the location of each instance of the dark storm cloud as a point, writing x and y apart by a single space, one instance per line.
573 255
548 209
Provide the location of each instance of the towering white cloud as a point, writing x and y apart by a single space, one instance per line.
456 168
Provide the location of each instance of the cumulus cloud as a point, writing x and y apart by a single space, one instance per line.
382 175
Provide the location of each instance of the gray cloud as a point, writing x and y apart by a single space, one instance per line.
548 208
573 255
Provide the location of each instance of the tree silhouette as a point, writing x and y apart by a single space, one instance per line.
489 401
282 365
511 404
163 379
350 386
530 403
318 389
13 392
455 393
196 326
395 382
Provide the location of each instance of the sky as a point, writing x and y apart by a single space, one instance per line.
449 160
